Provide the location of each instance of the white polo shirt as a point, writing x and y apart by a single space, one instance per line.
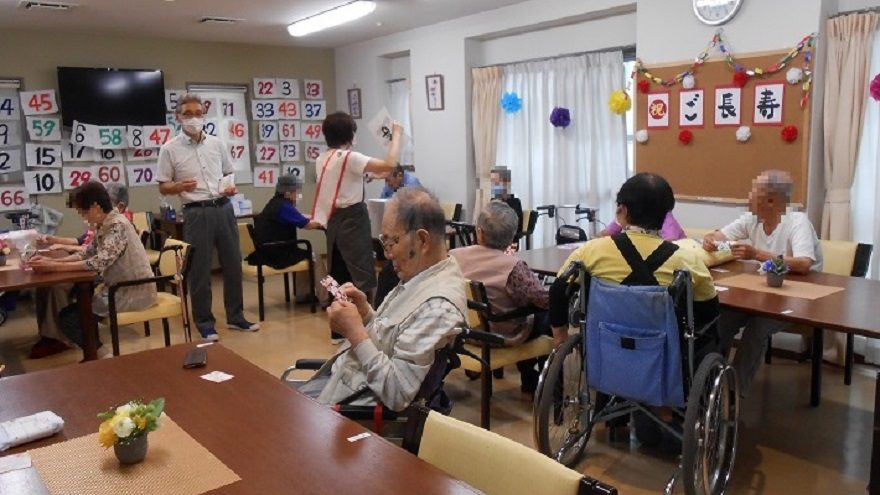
208 161
340 182
794 236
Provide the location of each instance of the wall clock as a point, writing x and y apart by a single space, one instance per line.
716 12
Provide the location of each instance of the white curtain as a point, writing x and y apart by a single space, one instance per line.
398 107
865 194
585 163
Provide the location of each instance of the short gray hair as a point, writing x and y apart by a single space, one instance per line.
498 222
189 98
419 209
118 193
777 182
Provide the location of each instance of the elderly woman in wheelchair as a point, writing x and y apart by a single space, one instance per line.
648 344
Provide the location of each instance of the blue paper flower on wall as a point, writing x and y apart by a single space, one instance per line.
511 102
560 117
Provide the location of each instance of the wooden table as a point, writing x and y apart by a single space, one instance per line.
276 439
18 279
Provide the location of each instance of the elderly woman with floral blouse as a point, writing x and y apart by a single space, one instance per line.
115 253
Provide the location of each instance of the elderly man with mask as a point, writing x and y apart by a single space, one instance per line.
766 232
391 349
509 282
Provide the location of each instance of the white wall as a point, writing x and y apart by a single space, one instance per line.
758 27
847 5
443 151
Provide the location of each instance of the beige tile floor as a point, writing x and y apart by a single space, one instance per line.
785 446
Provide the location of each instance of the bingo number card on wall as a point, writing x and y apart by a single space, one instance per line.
226 118
287 119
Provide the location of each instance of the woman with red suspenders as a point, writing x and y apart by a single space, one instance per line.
339 202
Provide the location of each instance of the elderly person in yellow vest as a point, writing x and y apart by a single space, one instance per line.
390 350
509 282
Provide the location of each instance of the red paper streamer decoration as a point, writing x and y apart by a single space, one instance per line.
740 79
685 137
644 86
789 133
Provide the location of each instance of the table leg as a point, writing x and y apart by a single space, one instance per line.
87 320
816 375
874 477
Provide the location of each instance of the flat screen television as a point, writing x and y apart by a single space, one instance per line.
111 96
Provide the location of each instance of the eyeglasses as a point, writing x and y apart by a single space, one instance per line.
189 115
388 242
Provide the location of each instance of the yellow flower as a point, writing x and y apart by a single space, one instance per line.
141 422
619 102
106 435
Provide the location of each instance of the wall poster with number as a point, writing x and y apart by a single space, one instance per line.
229 122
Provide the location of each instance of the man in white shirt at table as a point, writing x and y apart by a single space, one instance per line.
766 232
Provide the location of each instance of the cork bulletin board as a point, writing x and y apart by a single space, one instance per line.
715 166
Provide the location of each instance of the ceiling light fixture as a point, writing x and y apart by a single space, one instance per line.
332 17
28 5
220 20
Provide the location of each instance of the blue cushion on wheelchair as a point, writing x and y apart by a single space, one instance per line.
633 348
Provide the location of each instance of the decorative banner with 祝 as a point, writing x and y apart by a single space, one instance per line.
658 110
690 111
727 106
769 103
40 102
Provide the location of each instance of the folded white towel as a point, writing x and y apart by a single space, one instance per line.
29 428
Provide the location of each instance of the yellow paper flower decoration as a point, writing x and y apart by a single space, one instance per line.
619 102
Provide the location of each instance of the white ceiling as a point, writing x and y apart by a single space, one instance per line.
265 20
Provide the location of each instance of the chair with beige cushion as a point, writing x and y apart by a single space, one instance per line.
490 462
530 221
493 357
173 265
143 222
451 211
839 258
260 272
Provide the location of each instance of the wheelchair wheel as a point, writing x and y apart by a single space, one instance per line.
564 405
710 428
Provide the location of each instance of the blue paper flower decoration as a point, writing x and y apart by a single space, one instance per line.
511 102
560 117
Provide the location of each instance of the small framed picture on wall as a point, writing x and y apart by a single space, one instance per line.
354 103
434 89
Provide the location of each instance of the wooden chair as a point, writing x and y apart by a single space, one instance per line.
465 234
530 220
492 356
490 462
839 258
173 266
143 223
452 211
248 244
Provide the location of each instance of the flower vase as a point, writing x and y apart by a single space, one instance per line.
132 451
775 279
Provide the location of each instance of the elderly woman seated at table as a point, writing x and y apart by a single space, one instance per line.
509 282
115 253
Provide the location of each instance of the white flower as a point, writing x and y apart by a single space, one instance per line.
124 409
687 82
794 75
743 133
124 427
642 136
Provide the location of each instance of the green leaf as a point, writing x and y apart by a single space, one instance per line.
158 406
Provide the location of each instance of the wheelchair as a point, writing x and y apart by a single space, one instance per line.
611 358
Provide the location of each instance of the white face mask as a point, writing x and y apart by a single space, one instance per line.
193 125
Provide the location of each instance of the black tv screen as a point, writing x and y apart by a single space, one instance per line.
111 96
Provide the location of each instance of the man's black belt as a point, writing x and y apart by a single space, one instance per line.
208 202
